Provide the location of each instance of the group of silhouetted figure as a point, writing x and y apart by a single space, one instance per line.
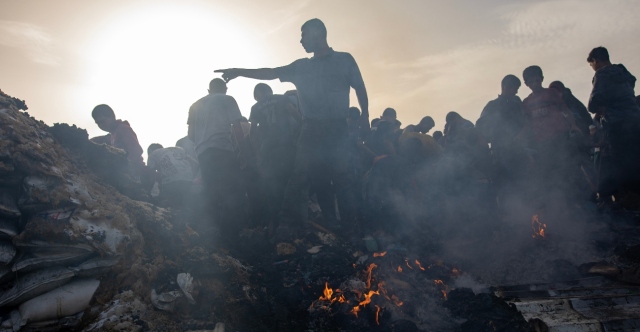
307 155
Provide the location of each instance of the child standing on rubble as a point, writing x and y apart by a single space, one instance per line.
552 133
120 136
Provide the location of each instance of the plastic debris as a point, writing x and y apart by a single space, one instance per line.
185 282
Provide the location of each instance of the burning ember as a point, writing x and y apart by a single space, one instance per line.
377 314
399 268
419 265
538 227
379 254
455 272
444 287
369 269
397 301
407 261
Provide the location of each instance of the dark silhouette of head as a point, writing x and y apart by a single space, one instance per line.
104 117
638 100
152 147
262 91
557 85
217 85
354 113
438 135
425 124
389 114
598 58
533 78
314 35
453 117
510 85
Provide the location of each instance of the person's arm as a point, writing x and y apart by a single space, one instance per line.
254 136
130 143
293 112
566 112
190 127
596 99
363 101
258 74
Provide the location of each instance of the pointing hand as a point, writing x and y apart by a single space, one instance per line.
228 74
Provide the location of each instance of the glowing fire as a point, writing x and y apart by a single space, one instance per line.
377 314
367 300
419 265
369 269
538 227
444 287
397 301
399 268
328 292
455 272
356 310
379 254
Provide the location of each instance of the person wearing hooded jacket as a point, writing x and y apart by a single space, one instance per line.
612 101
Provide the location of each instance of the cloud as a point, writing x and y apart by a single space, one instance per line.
557 35
29 38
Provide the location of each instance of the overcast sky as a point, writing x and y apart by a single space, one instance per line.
150 60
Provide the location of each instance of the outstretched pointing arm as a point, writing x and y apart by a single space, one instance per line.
258 74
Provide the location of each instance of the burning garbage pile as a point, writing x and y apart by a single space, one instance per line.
81 250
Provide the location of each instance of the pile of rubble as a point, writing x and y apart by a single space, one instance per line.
82 249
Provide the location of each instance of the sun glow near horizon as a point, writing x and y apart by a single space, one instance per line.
152 63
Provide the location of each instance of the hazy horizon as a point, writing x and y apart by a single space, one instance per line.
151 60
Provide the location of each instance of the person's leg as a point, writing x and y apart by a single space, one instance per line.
231 193
294 209
338 158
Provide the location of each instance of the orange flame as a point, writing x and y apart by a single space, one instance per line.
397 301
399 268
455 272
367 297
381 254
377 313
419 265
369 269
328 292
356 310
407 261
538 227
341 299
444 289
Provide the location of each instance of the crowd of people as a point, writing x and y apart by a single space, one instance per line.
308 145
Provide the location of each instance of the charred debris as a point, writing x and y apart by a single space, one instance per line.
81 249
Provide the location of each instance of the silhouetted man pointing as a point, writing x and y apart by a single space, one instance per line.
323 83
